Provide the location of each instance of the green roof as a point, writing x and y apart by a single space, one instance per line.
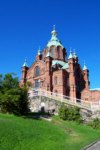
65 66
85 67
25 63
62 63
70 55
48 54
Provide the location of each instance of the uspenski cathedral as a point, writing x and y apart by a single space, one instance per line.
54 71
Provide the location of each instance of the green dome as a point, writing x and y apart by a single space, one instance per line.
25 63
54 41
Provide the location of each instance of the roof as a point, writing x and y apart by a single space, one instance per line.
54 43
63 64
85 67
95 89
74 55
25 63
39 51
48 54
70 55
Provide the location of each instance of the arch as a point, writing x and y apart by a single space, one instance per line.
53 51
58 51
56 92
36 84
37 71
56 80
42 107
65 54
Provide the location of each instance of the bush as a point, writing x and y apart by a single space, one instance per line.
69 113
95 123
63 112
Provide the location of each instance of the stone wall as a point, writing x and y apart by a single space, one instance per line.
50 105
38 103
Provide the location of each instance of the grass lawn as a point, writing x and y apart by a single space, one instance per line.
17 133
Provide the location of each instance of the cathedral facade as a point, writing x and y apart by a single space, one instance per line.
54 71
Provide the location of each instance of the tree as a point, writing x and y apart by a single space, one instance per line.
13 99
10 82
0 82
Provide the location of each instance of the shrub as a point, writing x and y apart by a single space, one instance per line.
69 113
95 123
63 112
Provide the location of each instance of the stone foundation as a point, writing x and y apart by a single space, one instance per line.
50 105
38 103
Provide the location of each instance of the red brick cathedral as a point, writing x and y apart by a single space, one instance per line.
54 71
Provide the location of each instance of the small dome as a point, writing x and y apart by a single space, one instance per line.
70 55
39 51
74 55
25 63
85 67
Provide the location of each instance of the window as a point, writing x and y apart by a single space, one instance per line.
42 83
56 80
65 55
58 49
37 71
36 83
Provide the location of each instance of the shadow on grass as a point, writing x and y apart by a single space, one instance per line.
38 115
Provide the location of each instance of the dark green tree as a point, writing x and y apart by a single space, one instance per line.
13 99
9 82
0 82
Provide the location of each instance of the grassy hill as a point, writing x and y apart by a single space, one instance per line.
17 133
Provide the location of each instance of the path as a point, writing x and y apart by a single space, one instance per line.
95 146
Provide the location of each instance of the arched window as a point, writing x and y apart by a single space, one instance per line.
56 80
65 55
37 71
58 50
36 83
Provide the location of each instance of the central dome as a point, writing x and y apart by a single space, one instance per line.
54 41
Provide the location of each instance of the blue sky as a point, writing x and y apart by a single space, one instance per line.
26 24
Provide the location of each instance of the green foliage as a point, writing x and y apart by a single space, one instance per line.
95 123
63 112
69 113
10 82
13 99
23 102
0 82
